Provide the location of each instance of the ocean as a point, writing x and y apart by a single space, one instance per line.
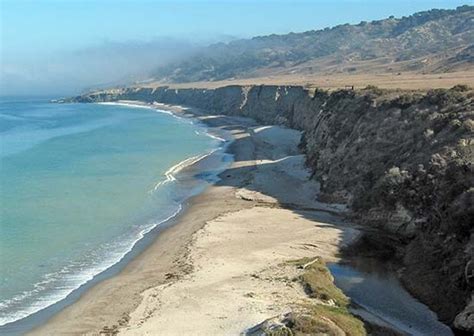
81 184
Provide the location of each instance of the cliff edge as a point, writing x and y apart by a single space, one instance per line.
403 162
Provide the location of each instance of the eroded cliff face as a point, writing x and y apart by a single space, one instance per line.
402 161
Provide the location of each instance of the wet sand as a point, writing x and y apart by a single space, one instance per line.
218 269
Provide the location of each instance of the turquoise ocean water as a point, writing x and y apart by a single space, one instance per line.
80 185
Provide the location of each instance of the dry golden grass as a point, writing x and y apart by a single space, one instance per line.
406 81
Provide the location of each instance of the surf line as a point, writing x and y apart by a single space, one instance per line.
170 173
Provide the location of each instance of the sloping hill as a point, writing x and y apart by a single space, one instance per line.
427 42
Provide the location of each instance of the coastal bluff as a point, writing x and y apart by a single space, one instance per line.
401 160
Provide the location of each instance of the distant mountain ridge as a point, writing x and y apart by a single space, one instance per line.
432 41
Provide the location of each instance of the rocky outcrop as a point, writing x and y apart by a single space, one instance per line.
403 161
465 319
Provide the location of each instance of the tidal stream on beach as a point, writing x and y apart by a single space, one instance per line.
378 297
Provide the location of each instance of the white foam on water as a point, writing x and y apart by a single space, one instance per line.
125 104
149 107
215 137
170 174
68 278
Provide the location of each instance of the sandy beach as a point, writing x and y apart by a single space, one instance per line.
222 267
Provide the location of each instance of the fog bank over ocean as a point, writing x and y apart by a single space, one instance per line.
53 47
105 64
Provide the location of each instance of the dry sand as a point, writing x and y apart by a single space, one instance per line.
221 268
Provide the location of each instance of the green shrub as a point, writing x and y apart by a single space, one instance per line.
461 88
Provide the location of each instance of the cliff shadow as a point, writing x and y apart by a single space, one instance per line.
269 170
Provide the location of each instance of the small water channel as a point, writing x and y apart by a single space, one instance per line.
378 296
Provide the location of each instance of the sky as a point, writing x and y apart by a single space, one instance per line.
62 46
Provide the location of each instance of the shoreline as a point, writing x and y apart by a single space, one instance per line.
183 168
146 293
137 250
165 257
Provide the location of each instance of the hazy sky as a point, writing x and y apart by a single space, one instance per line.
61 46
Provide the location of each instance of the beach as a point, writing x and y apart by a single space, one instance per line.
237 168
220 268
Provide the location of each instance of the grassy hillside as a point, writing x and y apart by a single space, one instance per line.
433 41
